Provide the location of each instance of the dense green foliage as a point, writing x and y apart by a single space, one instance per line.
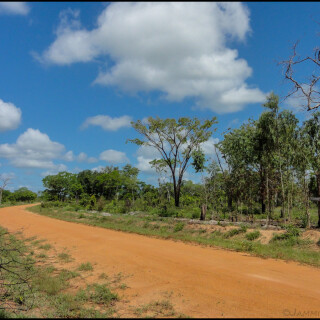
21 195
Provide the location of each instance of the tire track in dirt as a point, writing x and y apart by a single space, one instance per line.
206 282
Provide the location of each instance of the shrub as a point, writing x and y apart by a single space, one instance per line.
93 202
195 215
102 294
290 236
253 235
178 227
101 203
85 267
234 232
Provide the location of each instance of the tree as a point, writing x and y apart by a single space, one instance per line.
311 132
4 181
24 194
307 90
176 141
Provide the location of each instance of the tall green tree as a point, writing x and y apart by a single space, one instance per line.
311 131
176 141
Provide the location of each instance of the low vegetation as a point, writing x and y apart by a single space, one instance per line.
242 238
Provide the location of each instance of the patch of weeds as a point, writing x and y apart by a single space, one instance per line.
123 286
49 269
87 266
42 256
178 227
36 242
65 257
234 232
46 246
48 284
67 305
253 235
100 293
81 216
162 308
103 276
202 231
66 275
145 225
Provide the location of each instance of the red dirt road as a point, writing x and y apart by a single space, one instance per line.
205 282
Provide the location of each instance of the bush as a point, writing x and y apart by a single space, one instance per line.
234 232
253 235
100 204
293 231
178 227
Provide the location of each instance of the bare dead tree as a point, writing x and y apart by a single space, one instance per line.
307 90
4 181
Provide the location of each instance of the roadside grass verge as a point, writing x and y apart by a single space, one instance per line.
163 227
31 288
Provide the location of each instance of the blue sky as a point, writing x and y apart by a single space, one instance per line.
73 76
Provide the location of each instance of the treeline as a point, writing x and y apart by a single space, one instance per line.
21 195
268 167
273 161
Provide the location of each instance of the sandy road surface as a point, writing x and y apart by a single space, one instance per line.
205 282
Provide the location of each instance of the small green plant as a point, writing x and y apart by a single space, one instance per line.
87 266
100 293
65 257
103 276
42 256
178 227
253 235
46 246
234 232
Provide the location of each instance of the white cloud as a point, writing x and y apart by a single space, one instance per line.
178 48
113 156
20 8
10 116
208 146
32 149
98 169
69 156
82 157
55 171
108 123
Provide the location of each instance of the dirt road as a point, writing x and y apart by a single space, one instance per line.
205 282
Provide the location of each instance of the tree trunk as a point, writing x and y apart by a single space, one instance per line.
230 203
318 187
262 191
203 212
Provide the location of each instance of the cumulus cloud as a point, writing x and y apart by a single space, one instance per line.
107 123
56 170
33 149
10 116
179 49
208 146
113 156
20 8
82 157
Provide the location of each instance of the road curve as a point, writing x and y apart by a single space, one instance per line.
206 282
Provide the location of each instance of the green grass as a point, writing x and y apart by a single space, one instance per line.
253 235
65 257
46 246
162 308
87 266
298 251
36 289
